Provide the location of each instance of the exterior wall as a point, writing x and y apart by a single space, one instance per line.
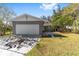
47 29
28 22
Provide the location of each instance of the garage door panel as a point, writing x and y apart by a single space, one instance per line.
27 28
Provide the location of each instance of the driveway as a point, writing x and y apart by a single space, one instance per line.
8 53
14 51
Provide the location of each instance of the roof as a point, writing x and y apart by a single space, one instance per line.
28 18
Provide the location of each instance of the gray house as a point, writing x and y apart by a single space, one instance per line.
28 25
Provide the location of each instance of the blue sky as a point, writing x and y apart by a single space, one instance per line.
35 9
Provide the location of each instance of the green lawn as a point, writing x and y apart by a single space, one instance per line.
58 46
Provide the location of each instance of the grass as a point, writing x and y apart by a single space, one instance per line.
57 46
7 33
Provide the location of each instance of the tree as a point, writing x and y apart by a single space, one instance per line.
49 18
46 18
76 25
56 18
61 20
43 17
6 14
1 27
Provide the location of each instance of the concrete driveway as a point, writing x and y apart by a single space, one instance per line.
14 51
8 53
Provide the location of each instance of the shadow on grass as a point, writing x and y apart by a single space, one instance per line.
54 35
58 35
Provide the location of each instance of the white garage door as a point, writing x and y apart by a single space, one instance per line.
27 28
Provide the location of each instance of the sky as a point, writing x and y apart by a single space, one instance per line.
35 9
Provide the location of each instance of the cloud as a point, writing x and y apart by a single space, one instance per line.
49 6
